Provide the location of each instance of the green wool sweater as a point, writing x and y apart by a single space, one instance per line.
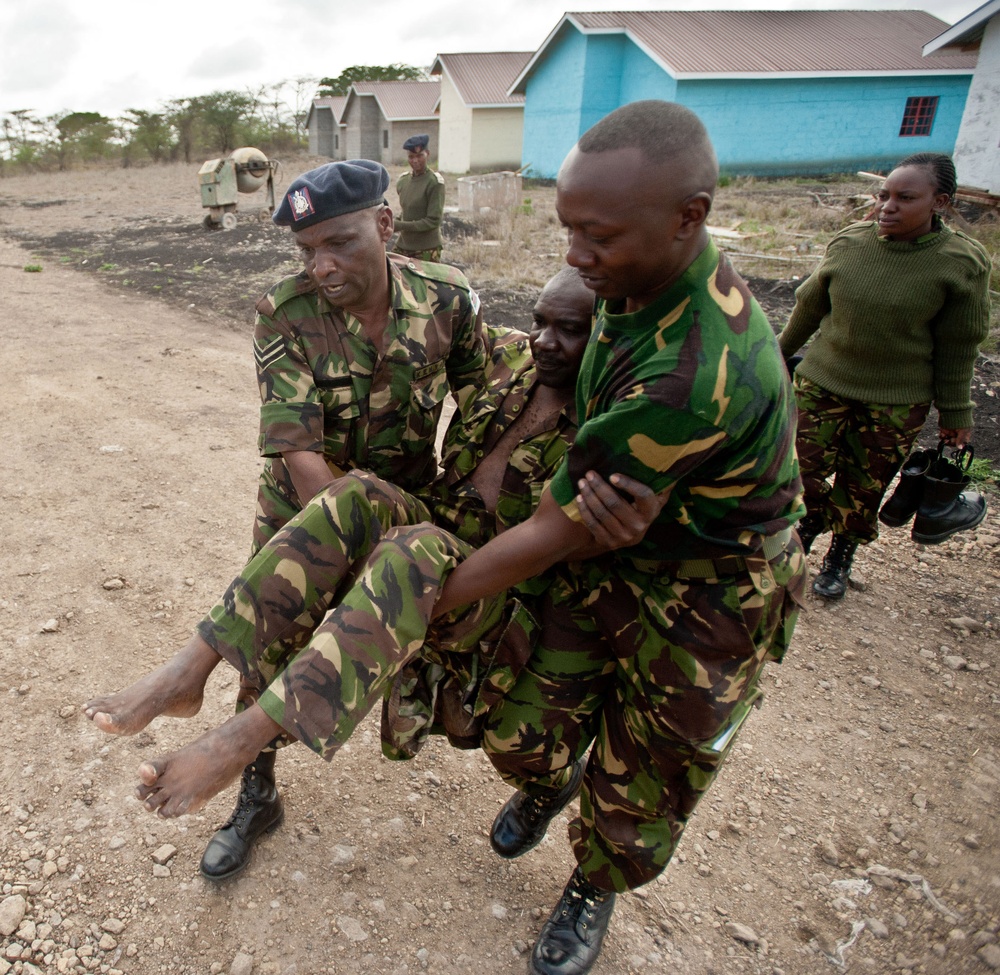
421 198
898 322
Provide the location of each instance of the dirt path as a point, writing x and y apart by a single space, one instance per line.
854 829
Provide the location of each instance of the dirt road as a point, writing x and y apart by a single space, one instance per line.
854 829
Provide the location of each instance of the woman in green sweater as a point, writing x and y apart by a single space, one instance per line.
898 307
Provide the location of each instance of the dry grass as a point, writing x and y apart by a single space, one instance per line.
784 226
525 246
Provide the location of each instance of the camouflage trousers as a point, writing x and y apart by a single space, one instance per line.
277 501
849 452
329 612
656 671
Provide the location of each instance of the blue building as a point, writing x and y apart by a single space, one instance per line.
780 91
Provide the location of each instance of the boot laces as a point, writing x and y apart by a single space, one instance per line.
841 554
244 801
582 899
537 808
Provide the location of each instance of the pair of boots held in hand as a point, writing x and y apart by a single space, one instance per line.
932 488
931 491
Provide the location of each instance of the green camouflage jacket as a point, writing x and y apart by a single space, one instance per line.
324 388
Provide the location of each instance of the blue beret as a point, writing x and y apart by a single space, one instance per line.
416 142
331 190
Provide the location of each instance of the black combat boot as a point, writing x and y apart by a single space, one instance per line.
521 824
905 500
258 810
808 528
831 583
571 939
946 508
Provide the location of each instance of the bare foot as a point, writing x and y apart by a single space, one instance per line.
174 689
183 781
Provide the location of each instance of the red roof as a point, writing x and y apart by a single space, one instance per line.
482 79
719 43
402 99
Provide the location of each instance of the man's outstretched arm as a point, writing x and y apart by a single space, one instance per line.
527 550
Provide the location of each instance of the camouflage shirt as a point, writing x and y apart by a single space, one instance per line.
475 431
690 395
324 387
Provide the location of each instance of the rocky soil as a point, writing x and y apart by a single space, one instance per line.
854 828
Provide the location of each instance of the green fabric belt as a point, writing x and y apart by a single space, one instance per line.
727 565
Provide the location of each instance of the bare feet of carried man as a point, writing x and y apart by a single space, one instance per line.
173 690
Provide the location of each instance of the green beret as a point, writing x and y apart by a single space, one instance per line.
331 190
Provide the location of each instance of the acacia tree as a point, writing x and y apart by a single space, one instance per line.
182 116
368 72
147 132
301 103
224 113
85 134
22 135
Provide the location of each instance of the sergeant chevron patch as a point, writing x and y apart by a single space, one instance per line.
269 354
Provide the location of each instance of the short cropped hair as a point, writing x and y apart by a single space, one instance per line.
660 130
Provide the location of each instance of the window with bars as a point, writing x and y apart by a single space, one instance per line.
385 138
918 116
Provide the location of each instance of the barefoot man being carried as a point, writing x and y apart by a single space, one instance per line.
278 624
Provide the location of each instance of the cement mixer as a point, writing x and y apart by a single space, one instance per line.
221 180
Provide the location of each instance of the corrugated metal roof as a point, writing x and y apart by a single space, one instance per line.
482 78
335 103
725 41
762 42
403 99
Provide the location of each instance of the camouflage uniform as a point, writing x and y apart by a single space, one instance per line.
327 638
850 451
325 388
653 654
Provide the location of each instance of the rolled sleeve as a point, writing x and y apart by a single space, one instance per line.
291 414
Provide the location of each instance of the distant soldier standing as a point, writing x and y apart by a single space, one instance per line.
421 199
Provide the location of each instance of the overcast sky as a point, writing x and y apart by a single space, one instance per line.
111 55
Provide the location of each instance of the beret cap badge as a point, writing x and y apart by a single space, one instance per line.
301 204
331 190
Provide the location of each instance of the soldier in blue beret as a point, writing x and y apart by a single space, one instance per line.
355 356
331 191
421 199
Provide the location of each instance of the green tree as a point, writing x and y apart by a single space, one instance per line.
85 135
147 133
224 114
368 72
